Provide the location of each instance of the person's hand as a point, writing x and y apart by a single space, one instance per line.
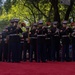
35 34
60 30
29 32
67 27
26 39
45 34
37 31
43 27
49 30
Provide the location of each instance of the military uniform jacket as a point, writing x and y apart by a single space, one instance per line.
55 32
33 34
65 35
42 32
25 35
65 32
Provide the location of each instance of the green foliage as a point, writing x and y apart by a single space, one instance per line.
32 10
3 24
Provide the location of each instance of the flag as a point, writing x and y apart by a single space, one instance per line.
66 2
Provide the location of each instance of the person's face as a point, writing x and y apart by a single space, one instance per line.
49 24
64 25
11 23
33 27
40 25
27 29
6 30
74 26
15 23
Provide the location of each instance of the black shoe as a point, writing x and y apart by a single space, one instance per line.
44 60
17 61
38 61
68 60
24 60
53 60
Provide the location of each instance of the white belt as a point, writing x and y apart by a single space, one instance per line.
33 37
22 42
40 35
22 39
65 36
48 38
56 35
13 34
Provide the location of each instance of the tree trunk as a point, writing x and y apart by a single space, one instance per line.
69 10
49 14
56 11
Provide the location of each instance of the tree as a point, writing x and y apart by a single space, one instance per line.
34 10
1 6
69 10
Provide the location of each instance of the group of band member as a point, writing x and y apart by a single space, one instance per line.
39 42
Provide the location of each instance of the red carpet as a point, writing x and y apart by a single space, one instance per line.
27 68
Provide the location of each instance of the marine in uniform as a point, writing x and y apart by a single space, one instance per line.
14 39
73 41
65 36
48 41
33 42
11 29
23 28
26 44
55 42
41 42
5 44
